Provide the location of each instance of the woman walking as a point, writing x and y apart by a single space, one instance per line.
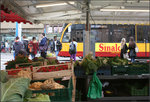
33 47
124 49
132 46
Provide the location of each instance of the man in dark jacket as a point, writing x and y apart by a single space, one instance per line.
17 46
43 46
57 46
25 44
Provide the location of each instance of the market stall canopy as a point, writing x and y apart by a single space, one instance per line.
9 16
74 11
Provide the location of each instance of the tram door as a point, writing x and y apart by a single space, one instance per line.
143 36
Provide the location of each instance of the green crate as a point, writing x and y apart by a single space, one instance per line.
64 94
138 69
119 69
139 92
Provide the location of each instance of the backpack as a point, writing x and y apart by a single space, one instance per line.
72 49
30 47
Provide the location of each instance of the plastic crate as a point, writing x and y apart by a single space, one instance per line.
139 92
64 94
120 70
103 72
141 68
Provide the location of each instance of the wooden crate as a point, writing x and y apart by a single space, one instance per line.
12 73
39 75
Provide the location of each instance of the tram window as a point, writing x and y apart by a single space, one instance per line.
148 34
102 35
66 37
122 31
142 33
79 35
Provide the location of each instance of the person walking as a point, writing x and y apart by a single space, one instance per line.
132 46
51 45
73 49
17 47
25 44
57 46
43 46
7 46
33 47
124 49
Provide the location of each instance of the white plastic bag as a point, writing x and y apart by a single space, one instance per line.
125 56
136 49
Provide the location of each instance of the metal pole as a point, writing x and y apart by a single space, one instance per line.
87 15
87 33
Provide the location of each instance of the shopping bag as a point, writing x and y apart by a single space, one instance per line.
125 56
95 88
136 49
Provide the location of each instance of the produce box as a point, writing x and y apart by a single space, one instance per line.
104 70
139 92
120 69
52 68
14 72
138 69
64 94
52 71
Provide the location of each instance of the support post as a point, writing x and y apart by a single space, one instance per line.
18 30
87 31
45 29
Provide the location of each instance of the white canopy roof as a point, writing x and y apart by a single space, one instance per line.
65 11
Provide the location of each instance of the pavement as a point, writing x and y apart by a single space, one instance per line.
9 56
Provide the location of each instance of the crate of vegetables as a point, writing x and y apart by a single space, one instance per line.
25 72
120 69
51 71
57 89
138 69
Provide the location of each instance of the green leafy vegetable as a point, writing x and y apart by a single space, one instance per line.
18 60
14 89
89 64
3 76
40 98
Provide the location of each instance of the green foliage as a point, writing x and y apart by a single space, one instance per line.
10 64
40 98
18 60
36 59
52 61
89 64
28 94
14 89
76 63
118 61
3 76
102 61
